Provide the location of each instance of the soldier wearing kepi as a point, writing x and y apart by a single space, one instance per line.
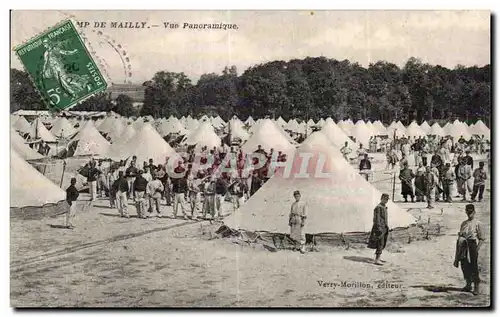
296 222
194 189
470 239
380 229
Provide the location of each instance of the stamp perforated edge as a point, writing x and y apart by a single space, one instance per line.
93 56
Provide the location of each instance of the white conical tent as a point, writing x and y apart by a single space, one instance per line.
346 126
145 144
362 133
331 189
292 125
115 131
371 128
138 123
413 130
380 129
217 122
447 128
39 131
171 126
250 121
479 128
321 122
127 134
17 143
108 124
457 130
395 127
437 130
311 123
281 122
203 136
28 187
204 118
22 125
270 136
237 130
62 128
192 124
88 141
425 127
335 134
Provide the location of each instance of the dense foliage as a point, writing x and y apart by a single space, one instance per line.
308 88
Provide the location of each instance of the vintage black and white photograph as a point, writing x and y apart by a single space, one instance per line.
292 158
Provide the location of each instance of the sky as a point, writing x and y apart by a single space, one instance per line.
447 38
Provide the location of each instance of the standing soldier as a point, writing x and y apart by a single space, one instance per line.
220 194
154 190
345 150
296 221
111 178
380 229
365 166
406 176
470 239
167 184
71 197
448 178
120 186
180 188
140 185
194 184
430 186
131 174
209 197
479 182
464 174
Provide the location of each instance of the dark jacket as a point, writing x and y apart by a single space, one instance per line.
93 173
121 184
365 164
140 184
179 185
221 186
380 228
131 171
71 194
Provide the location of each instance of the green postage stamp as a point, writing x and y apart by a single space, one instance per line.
61 67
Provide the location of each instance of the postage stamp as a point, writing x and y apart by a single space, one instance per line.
63 70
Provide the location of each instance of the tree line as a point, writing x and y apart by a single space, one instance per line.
310 88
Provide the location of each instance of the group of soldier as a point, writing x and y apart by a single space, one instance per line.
195 185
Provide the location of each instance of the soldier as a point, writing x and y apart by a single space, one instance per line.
345 150
296 222
448 178
479 182
140 185
209 197
380 229
470 239
406 176
430 186
120 186
194 189
154 190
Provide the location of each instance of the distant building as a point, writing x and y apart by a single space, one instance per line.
134 91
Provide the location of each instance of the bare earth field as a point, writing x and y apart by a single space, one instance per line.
108 261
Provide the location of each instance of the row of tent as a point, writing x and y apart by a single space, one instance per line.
146 138
341 202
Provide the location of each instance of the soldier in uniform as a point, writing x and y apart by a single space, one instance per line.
380 229
194 189
296 222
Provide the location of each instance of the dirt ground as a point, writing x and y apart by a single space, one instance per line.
108 261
